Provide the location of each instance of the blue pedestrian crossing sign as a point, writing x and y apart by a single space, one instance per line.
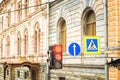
74 49
91 45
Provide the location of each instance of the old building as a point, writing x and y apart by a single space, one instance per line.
70 21
114 36
22 39
29 27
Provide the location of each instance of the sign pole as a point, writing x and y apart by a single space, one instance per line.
47 64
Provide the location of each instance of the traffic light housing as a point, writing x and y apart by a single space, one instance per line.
56 56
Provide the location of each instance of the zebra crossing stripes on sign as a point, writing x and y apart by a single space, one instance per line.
91 45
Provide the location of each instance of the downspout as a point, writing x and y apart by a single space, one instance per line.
106 40
106 23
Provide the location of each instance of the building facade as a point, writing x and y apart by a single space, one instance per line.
29 27
22 39
114 36
70 21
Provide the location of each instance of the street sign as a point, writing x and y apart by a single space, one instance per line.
74 49
91 45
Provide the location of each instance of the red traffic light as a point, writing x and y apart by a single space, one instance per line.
58 48
56 56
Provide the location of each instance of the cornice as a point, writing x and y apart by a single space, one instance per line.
24 20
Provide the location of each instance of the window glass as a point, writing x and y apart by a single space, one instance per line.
26 41
26 74
63 34
19 10
36 42
61 78
18 73
90 24
19 44
26 7
8 46
37 38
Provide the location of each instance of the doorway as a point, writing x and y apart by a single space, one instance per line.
34 74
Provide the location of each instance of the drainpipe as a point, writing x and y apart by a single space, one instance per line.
106 67
106 22
47 44
106 40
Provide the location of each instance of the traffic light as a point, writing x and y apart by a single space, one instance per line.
56 57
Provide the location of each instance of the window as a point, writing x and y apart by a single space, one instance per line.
2 23
2 48
61 78
9 18
26 41
26 74
63 34
90 23
8 46
19 44
19 10
18 73
37 38
35 41
7 72
26 7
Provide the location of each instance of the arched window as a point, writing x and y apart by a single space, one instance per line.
37 38
8 46
26 41
19 44
35 41
90 23
62 27
2 48
9 18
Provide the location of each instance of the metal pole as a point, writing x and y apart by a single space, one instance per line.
47 71
47 65
106 68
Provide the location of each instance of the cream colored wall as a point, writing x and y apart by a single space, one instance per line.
72 12
26 22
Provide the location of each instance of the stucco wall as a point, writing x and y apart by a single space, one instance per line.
72 12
